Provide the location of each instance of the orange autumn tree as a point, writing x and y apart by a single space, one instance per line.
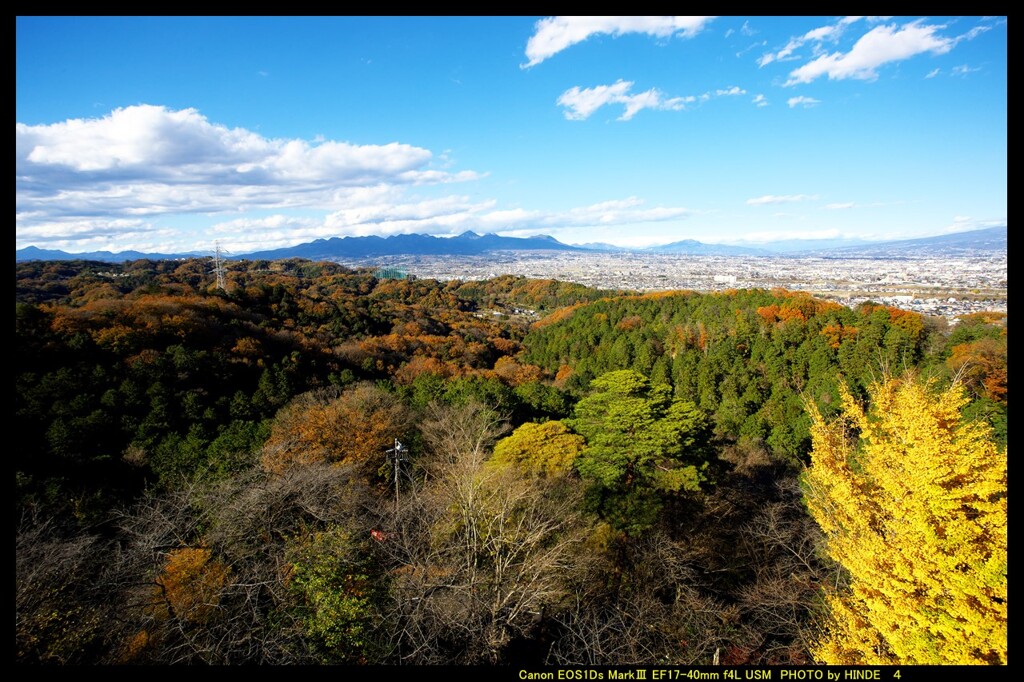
981 365
355 427
912 500
189 587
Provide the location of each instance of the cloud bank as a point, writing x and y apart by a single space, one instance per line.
105 175
120 181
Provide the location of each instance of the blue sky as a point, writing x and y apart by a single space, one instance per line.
171 134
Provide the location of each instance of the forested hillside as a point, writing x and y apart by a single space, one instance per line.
586 476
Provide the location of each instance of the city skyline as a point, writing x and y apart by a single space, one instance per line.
170 134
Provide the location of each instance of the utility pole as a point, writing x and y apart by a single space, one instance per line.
397 455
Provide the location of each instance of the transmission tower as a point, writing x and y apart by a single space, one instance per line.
218 269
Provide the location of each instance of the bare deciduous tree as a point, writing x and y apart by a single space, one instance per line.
478 551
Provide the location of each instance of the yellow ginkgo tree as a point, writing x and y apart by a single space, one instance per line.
912 500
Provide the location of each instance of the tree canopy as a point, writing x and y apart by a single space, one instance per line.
640 441
912 500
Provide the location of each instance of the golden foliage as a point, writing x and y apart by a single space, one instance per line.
190 584
984 317
914 508
545 450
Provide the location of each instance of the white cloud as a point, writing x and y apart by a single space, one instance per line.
580 103
750 47
963 223
963 70
149 160
881 45
390 213
554 34
760 101
746 29
110 183
154 144
273 222
616 212
830 33
86 228
649 99
734 90
90 234
802 101
780 199
933 73
974 32
841 206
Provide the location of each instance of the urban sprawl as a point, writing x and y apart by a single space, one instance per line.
943 286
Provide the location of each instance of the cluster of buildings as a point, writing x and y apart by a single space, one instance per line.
933 285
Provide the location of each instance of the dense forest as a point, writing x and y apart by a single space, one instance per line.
315 465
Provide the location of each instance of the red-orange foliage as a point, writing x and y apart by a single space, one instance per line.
513 373
113 322
790 312
419 364
355 427
981 365
505 346
630 323
556 316
563 375
836 333
769 313
797 306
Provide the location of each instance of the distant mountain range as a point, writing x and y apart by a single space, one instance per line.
974 242
957 244
33 253
466 244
